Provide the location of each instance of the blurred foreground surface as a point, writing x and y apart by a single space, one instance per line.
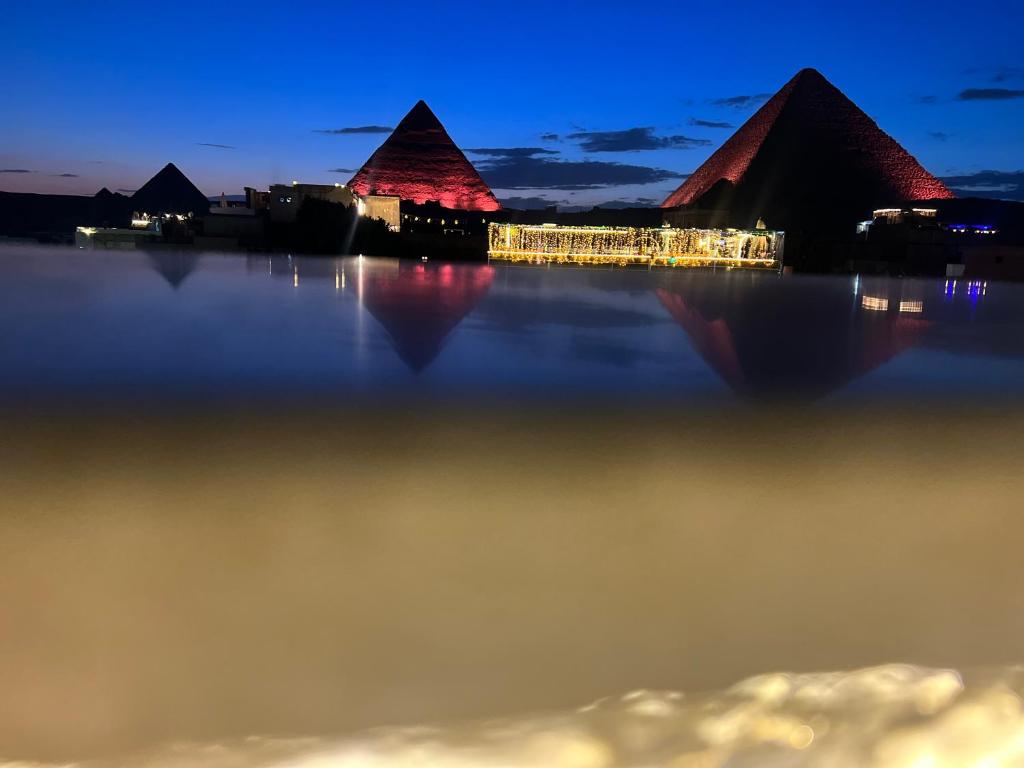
253 507
206 578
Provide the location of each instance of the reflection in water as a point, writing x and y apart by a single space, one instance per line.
420 305
175 266
767 337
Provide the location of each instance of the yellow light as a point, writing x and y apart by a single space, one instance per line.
912 306
661 246
874 303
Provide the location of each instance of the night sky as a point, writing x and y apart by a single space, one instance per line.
574 102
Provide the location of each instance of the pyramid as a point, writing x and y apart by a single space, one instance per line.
420 305
169 191
809 154
420 162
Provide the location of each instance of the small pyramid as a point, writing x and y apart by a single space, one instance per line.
420 162
808 152
170 191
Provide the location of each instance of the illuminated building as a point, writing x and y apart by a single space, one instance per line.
419 162
651 246
284 200
808 157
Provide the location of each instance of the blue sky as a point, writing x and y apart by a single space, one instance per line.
104 93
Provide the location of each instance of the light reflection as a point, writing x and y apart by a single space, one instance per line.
875 303
858 719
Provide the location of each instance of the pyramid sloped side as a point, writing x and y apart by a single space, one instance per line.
810 141
170 191
730 161
420 162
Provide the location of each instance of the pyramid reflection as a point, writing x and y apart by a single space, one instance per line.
770 338
419 305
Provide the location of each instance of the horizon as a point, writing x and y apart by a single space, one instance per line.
547 131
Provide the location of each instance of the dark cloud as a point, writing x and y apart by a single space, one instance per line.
998 74
632 140
927 100
545 173
698 123
215 146
96 162
528 203
939 135
511 151
126 191
636 202
355 130
65 175
742 102
341 170
549 137
15 170
989 94
1002 185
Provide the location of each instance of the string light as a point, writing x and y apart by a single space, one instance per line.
661 246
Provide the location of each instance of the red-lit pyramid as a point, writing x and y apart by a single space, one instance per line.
420 162
808 152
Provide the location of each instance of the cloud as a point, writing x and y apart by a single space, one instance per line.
927 100
742 102
632 140
65 175
511 151
528 203
341 170
549 137
939 135
15 170
355 130
1002 185
545 173
215 146
698 123
126 191
96 162
998 74
636 202
989 94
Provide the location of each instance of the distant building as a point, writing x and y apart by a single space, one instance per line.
286 199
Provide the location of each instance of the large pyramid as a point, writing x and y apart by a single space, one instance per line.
170 191
420 162
808 155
